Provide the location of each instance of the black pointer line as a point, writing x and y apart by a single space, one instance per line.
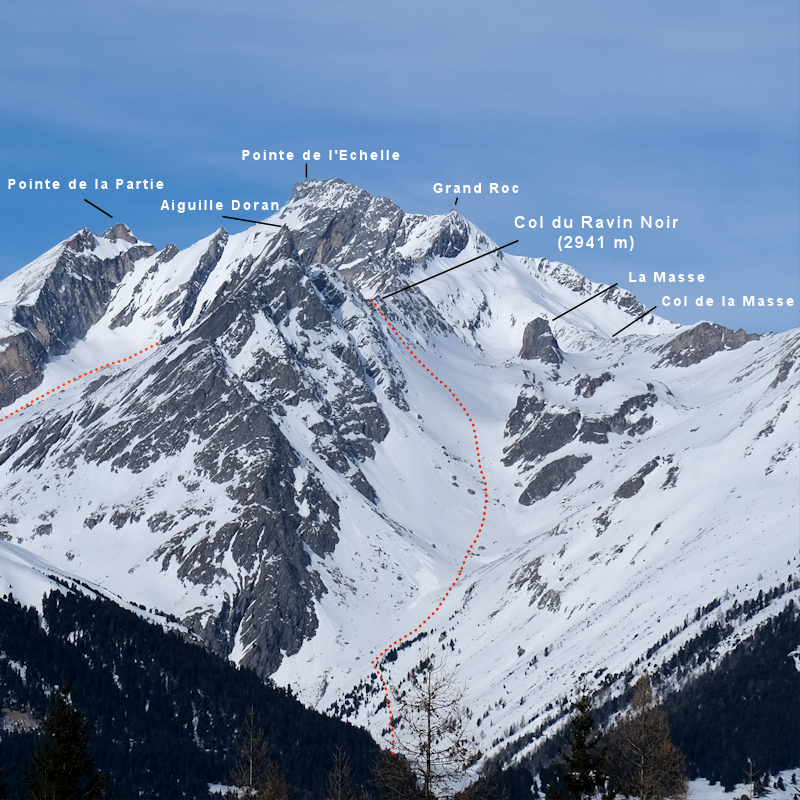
585 301
97 207
254 221
450 269
637 319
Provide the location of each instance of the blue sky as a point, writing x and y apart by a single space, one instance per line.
686 109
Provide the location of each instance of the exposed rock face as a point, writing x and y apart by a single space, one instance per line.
120 231
528 408
73 296
553 477
205 267
167 254
633 484
346 228
452 238
702 341
597 429
587 386
537 433
550 433
340 224
539 343
83 240
22 359
624 300
783 371
528 577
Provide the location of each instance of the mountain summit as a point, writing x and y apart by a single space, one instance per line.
285 479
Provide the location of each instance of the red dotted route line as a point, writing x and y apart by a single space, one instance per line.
380 655
72 380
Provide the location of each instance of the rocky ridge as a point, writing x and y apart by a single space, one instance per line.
281 477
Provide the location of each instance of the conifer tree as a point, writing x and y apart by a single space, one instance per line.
62 769
754 785
583 769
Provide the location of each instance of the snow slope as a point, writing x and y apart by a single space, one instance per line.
283 476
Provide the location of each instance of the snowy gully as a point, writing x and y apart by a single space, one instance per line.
376 661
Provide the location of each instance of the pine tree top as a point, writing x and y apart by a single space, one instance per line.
61 766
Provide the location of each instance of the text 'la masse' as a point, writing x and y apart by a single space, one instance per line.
668 277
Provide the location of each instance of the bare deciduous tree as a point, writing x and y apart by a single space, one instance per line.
340 778
431 729
255 774
643 761
395 778
274 786
253 755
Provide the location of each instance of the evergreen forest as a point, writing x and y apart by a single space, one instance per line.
164 715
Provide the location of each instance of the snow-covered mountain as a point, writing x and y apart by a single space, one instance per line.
292 471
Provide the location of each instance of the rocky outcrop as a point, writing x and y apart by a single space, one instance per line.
527 409
120 231
528 577
342 224
783 371
362 236
167 254
700 342
542 432
550 433
452 238
553 477
586 386
596 429
539 343
631 486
